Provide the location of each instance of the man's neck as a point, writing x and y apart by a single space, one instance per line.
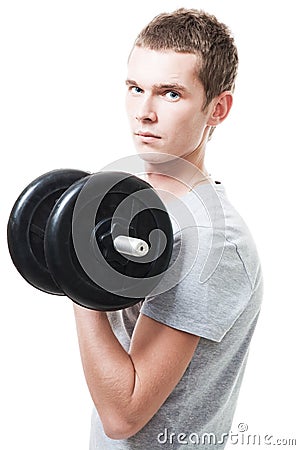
177 176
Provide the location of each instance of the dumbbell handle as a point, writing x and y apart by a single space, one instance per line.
131 246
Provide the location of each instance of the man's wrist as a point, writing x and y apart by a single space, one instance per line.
85 313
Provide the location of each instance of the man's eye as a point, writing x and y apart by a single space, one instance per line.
172 95
135 90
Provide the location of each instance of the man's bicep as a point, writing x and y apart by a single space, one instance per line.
160 355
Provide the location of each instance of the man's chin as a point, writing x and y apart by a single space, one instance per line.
155 157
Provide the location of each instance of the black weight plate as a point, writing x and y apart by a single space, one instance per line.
62 257
27 223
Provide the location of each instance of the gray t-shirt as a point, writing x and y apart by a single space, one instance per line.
216 295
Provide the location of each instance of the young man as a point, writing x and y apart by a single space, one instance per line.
167 371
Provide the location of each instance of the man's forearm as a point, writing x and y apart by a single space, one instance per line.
108 368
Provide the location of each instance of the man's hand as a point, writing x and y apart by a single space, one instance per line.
129 388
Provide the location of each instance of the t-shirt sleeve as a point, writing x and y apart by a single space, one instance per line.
205 288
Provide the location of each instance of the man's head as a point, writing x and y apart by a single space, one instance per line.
181 74
194 31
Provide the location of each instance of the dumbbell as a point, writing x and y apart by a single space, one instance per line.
104 239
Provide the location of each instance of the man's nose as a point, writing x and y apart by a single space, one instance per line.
146 112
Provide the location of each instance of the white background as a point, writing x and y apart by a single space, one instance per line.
63 65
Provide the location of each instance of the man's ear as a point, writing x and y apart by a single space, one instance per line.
220 108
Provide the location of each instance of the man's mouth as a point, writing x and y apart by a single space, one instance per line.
147 134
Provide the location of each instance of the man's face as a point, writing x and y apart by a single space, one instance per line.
164 102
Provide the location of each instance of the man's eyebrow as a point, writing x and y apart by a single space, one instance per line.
131 82
170 86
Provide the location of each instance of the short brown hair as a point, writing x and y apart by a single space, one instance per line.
194 31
